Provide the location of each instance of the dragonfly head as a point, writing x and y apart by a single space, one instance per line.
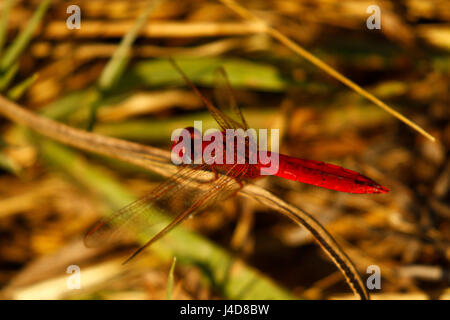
183 145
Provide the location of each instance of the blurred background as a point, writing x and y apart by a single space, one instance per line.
50 195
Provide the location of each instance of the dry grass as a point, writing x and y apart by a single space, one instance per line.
45 209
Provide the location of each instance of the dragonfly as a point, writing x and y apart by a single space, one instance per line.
195 187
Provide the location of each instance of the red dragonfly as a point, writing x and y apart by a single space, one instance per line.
188 191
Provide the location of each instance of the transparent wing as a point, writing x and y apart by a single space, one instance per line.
185 193
116 226
224 121
225 98
223 187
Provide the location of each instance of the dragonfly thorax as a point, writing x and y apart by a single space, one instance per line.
215 148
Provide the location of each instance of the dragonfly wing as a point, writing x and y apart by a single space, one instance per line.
221 188
226 99
224 121
116 226
149 217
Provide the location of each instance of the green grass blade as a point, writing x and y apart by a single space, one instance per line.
170 280
114 69
241 73
119 60
16 92
7 5
8 76
93 107
20 43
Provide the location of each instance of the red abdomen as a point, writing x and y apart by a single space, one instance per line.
326 175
